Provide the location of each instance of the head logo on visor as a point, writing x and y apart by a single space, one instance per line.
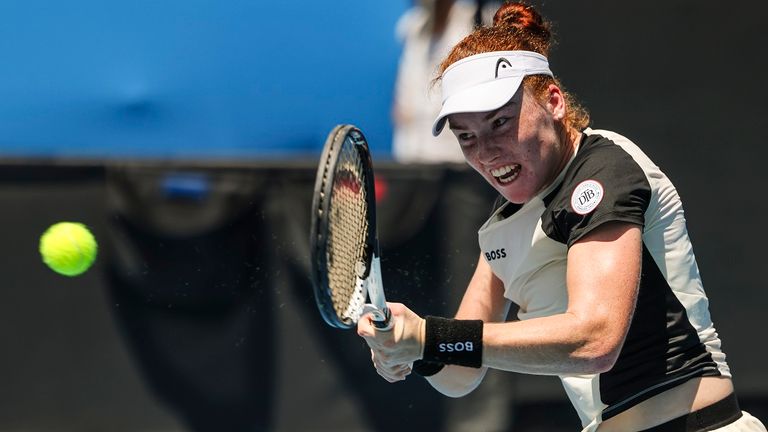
485 82
502 63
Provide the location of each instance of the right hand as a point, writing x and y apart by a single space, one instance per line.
394 351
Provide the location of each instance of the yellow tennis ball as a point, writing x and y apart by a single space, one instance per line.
68 248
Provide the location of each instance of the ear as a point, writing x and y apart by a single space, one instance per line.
556 102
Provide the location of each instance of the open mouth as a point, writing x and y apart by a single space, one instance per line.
506 173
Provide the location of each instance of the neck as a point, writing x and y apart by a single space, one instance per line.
569 138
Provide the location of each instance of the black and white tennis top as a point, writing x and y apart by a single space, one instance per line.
671 338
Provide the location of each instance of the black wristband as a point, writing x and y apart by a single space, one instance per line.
426 368
452 341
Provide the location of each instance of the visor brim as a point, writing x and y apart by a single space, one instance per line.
487 96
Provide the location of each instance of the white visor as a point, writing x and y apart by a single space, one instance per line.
485 82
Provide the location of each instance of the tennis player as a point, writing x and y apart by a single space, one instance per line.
589 240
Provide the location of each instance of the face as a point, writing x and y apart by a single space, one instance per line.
517 148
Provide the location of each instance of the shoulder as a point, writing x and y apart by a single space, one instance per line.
607 180
604 147
609 159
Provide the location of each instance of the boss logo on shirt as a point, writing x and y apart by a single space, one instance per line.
586 196
495 254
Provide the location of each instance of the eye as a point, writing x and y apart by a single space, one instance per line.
464 136
499 122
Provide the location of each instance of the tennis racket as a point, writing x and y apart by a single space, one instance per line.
345 247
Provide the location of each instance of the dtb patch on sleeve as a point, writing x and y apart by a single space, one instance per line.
586 196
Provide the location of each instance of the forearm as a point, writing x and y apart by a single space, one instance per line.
554 345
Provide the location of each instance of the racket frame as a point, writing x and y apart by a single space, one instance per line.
368 275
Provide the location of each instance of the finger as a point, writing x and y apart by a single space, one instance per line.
378 361
379 343
385 372
391 376
399 373
393 370
389 379
407 369
365 328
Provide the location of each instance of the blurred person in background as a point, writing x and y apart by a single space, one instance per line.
428 31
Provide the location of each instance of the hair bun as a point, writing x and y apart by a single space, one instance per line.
521 16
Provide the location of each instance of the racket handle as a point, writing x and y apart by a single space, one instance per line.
380 318
386 323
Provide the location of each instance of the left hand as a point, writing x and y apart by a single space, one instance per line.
391 373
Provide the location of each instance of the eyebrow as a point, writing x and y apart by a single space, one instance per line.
488 116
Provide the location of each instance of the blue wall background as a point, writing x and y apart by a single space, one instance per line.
193 78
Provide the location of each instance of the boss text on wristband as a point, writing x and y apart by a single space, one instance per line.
452 341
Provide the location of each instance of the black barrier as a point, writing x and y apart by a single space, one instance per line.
199 253
201 299
189 272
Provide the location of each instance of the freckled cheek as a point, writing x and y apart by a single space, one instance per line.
470 154
506 137
471 158
476 166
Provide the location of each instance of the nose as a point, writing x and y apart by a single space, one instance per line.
487 151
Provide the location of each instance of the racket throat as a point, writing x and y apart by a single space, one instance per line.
368 285
378 307
374 287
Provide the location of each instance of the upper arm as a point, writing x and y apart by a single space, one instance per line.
484 297
600 214
603 275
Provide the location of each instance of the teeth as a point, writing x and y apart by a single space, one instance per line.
499 173
508 179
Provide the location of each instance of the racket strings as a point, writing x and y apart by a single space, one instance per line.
347 242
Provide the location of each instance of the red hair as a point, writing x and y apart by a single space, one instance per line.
517 26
